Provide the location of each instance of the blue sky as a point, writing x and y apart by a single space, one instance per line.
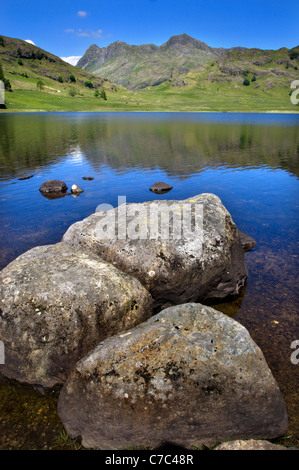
68 28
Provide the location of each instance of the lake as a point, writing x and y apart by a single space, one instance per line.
251 161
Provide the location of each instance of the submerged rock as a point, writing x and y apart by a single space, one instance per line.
160 188
247 242
202 261
27 177
53 186
56 304
88 178
189 375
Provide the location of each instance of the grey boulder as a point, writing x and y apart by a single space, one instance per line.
251 444
189 375
56 304
203 262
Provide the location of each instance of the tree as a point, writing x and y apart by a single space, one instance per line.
253 78
103 95
96 93
2 43
246 82
88 84
40 84
20 62
72 78
7 85
60 79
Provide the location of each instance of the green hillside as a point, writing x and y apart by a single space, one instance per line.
42 81
236 80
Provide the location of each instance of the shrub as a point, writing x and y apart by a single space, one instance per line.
39 55
88 84
72 78
253 78
20 62
246 82
2 43
294 55
60 79
73 91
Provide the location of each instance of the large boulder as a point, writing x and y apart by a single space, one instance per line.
53 186
189 375
200 261
56 304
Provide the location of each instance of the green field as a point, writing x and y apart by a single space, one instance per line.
165 98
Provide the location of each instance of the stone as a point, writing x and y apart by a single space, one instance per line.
247 242
76 189
56 304
251 444
160 188
53 186
27 177
88 178
206 262
189 375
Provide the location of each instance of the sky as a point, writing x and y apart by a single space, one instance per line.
68 28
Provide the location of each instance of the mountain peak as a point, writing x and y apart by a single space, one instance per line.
182 40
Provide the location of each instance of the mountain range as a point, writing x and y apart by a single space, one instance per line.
184 74
137 67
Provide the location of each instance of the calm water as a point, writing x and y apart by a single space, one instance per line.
251 161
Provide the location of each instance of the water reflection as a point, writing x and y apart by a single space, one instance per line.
180 146
250 161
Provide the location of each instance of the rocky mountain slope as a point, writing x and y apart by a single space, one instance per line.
137 67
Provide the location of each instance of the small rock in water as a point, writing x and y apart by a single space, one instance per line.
53 186
88 178
247 242
25 177
76 189
160 188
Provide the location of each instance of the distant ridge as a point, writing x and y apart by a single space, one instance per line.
147 65
137 67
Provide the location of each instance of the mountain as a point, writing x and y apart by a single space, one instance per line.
137 67
24 64
188 76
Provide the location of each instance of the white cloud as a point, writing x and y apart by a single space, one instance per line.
73 59
30 42
90 34
86 33
82 14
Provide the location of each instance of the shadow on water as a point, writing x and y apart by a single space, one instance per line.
250 161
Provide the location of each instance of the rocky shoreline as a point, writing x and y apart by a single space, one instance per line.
122 325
